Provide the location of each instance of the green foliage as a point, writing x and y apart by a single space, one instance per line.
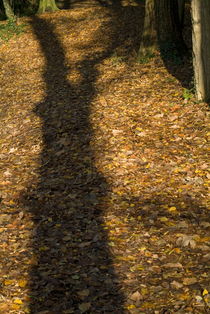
145 58
10 29
188 93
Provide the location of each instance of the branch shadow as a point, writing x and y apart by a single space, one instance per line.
73 270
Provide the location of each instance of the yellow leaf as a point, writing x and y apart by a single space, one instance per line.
147 305
18 301
184 296
170 224
205 292
130 307
8 282
172 209
139 267
144 291
15 306
205 239
130 258
22 283
163 219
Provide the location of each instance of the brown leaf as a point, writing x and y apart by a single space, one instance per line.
173 265
84 307
136 296
176 285
189 281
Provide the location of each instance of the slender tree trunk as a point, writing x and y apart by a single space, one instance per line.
47 6
201 48
149 38
8 10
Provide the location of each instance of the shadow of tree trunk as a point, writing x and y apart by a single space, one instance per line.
73 270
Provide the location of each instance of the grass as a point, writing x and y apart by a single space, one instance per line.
145 58
10 29
188 93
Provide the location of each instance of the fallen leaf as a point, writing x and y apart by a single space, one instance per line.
177 285
22 283
173 265
84 307
18 301
8 282
189 281
83 293
136 296
205 292
186 240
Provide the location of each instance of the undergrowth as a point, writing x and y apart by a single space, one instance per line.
10 29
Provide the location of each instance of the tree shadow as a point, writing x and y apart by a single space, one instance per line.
73 270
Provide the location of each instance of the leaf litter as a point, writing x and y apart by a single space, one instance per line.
104 172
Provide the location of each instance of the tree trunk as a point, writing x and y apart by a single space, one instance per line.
169 27
149 38
162 28
201 48
47 6
8 10
181 8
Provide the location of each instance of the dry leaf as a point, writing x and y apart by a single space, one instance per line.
84 307
136 296
177 285
18 301
205 292
83 293
186 240
189 281
173 265
22 283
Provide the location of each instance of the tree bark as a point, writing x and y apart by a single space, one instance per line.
47 6
181 8
201 48
8 10
162 28
169 27
149 38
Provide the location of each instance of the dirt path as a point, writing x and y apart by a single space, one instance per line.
103 172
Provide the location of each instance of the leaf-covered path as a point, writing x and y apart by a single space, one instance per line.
103 172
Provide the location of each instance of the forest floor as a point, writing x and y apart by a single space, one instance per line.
104 171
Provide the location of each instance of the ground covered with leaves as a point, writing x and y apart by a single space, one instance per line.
103 171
